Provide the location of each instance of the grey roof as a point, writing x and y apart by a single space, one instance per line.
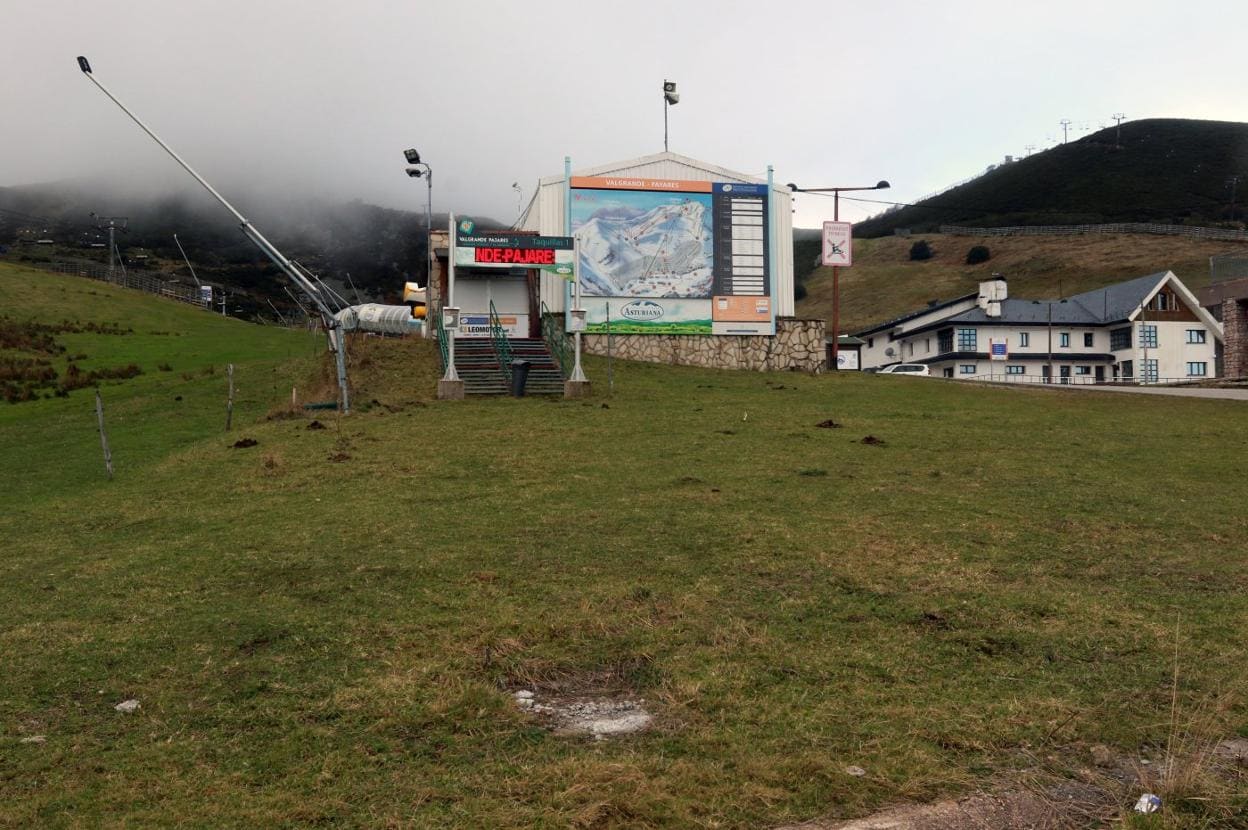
1104 305
933 306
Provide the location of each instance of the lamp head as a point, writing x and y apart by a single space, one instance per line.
882 185
415 172
412 156
84 64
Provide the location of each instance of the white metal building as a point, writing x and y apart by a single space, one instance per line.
547 214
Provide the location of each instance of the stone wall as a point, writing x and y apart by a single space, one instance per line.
1235 338
797 345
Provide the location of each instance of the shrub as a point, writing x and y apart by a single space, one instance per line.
978 254
920 251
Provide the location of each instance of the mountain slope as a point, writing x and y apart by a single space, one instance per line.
1166 170
884 283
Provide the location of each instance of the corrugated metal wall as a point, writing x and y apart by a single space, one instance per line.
546 215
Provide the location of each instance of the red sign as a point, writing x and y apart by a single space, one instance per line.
515 256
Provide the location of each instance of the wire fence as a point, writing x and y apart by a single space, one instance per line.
1119 227
146 281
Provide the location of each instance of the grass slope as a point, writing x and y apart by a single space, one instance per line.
145 420
320 641
1166 169
884 283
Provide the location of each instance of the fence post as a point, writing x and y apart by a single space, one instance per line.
99 417
229 401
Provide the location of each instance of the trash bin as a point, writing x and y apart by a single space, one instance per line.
519 377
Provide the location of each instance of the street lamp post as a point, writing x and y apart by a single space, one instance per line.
836 270
415 171
1049 303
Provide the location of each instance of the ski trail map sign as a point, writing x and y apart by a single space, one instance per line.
673 257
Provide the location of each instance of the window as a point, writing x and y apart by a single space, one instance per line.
1148 371
1024 339
1162 303
1083 370
1148 336
1197 370
1119 339
966 369
927 345
1014 369
870 342
944 341
910 348
1128 368
1195 335
1064 340
967 340
1087 339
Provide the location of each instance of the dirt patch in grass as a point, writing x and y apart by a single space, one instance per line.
599 717
1068 804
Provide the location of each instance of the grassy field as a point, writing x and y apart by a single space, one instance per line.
325 628
884 283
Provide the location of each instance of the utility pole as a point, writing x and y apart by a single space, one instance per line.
1065 122
1030 148
1118 117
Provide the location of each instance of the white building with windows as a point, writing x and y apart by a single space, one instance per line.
1147 330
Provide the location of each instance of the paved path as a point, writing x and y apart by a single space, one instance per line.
1177 391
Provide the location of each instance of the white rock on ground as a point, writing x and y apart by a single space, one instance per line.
128 706
34 739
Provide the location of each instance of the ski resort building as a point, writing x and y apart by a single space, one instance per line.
1147 330
679 260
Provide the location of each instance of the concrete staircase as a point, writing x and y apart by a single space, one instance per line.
478 367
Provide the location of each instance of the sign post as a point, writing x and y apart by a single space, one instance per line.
577 384
838 252
450 387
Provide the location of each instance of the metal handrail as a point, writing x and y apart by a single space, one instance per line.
1084 380
556 340
436 318
502 347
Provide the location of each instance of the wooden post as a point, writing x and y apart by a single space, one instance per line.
229 402
99 417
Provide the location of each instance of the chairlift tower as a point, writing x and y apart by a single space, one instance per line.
112 224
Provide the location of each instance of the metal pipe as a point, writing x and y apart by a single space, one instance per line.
257 238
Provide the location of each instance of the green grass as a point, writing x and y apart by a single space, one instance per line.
333 642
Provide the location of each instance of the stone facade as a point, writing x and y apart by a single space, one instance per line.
1235 333
797 345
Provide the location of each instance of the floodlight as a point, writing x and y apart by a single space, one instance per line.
84 65
412 156
672 98
669 86
415 172
882 185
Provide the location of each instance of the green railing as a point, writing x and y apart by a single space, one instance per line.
556 340
435 320
502 348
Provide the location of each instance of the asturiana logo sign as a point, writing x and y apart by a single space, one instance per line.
642 310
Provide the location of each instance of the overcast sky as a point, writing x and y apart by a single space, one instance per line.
311 97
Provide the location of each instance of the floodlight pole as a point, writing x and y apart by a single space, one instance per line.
332 324
836 269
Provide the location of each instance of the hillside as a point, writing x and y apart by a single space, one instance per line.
884 283
1166 170
329 627
346 243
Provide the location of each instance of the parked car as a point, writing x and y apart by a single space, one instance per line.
916 369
